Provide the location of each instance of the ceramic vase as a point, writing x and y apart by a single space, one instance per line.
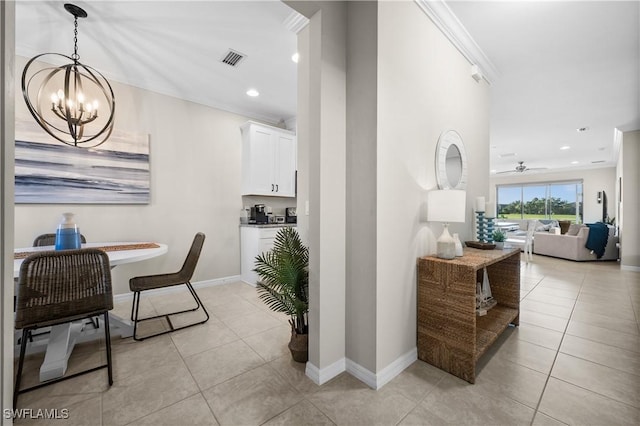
459 251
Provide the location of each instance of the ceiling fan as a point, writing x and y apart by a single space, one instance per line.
521 168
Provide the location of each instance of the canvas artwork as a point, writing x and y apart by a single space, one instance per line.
49 172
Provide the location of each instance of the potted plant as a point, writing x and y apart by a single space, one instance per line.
498 238
284 285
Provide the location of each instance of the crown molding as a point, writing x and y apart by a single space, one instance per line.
295 22
452 28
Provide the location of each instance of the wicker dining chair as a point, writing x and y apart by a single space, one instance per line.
57 287
152 282
50 240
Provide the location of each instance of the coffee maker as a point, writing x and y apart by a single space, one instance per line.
258 215
291 215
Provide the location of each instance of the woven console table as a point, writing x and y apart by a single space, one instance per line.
450 335
117 247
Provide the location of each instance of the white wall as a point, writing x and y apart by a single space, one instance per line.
7 76
630 205
195 156
405 85
321 165
362 239
594 180
424 88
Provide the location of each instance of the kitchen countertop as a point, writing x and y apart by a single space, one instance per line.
267 225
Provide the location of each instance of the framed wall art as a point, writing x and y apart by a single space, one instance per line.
48 172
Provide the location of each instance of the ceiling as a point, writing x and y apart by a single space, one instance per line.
560 65
175 48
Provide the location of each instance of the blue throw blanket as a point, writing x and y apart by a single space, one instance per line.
598 237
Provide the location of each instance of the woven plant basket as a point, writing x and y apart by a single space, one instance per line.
299 346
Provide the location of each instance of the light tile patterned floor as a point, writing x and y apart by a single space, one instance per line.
574 359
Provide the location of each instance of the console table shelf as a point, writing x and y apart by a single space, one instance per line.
450 335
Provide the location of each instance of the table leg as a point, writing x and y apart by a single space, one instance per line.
63 338
61 342
122 326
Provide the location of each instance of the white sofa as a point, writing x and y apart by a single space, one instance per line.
572 247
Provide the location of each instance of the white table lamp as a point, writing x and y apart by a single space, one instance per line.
447 205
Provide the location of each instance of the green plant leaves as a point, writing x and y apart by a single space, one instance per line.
284 277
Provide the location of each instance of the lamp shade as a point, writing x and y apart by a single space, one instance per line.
446 205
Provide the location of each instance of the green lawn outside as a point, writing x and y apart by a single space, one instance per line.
570 217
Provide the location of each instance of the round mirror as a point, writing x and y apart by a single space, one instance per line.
451 161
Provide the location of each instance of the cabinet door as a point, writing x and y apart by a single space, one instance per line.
285 167
265 245
258 164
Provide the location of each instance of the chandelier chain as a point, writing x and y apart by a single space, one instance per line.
75 55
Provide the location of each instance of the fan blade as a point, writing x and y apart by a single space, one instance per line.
506 171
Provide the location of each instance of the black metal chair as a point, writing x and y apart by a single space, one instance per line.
50 240
151 282
56 287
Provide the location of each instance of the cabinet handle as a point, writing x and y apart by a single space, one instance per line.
271 187
276 187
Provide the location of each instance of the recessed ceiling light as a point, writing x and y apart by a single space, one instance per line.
253 93
574 162
582 129
295 57
564 148
493 171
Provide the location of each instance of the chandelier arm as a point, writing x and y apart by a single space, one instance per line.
36 113
109 96
67 108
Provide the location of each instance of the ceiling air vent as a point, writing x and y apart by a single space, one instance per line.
598 161
233 58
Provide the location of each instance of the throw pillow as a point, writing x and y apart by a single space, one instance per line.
542 226
574 228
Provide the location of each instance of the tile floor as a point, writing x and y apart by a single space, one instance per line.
574 359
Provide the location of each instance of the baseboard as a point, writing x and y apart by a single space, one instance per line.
362 374
168 290
396 367
630 268
376 381
322 376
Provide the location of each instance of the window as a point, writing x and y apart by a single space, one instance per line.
553 200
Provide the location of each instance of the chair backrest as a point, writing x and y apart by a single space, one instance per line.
50 240
61 286
191 261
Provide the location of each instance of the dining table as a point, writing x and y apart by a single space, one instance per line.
61 339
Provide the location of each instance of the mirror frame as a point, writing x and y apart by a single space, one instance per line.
445 141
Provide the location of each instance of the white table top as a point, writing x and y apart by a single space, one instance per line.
117 257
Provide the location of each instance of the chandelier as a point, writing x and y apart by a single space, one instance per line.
73 102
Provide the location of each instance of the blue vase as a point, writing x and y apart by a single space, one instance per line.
68 234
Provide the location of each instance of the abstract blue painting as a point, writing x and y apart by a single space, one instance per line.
49 172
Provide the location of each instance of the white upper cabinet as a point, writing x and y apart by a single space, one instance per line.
268 161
